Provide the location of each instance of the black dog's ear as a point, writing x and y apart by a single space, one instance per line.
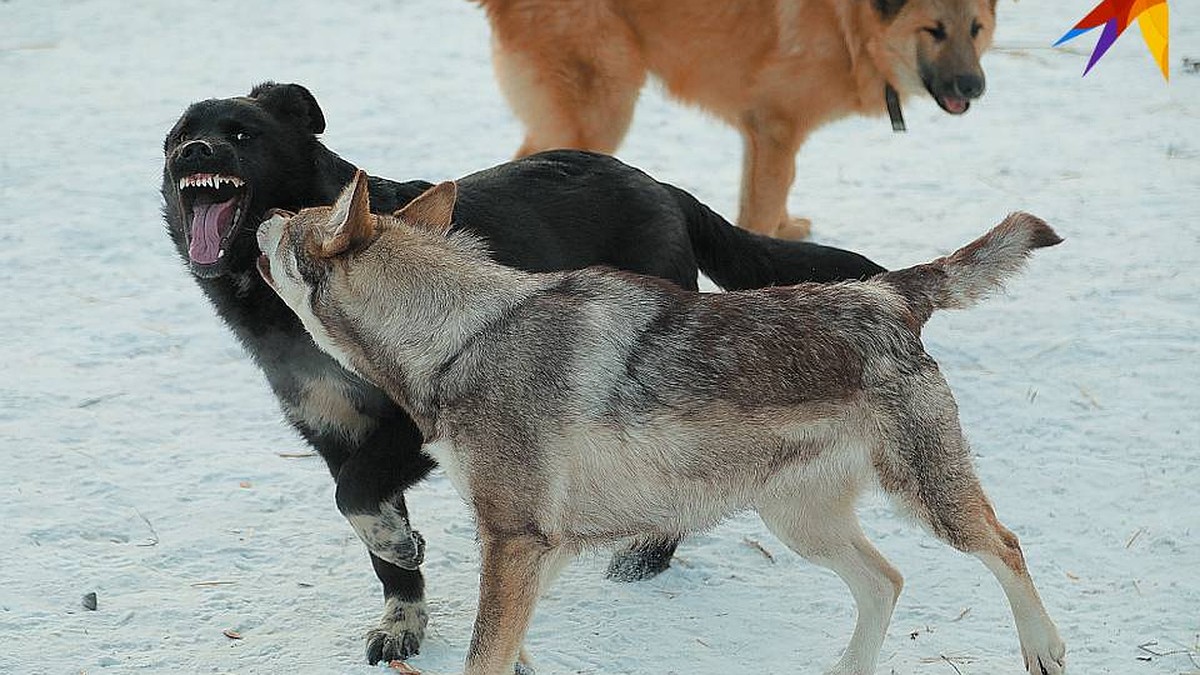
888 9
290 101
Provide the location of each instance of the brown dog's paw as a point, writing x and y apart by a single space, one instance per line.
794 229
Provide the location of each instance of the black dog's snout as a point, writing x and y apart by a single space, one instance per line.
969 86
195 150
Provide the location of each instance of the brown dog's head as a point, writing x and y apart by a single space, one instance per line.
934 44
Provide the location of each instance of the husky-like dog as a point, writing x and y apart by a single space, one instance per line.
775 70
577 408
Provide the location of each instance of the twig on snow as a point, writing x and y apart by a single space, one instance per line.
153 533
759 547
952 665
1140 532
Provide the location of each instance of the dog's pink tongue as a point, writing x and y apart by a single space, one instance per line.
956 105
210 222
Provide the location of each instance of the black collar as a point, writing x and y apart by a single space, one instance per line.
893 107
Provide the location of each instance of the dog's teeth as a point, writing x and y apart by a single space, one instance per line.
220 254
210 180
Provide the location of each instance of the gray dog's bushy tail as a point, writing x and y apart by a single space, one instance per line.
974 271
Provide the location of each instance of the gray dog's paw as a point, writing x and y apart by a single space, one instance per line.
399 634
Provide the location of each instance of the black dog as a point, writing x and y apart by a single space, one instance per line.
229 161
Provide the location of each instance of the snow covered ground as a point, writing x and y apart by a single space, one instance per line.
142 457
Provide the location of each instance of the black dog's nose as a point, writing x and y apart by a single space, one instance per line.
969 86
193 149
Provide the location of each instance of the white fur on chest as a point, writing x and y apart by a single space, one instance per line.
324 405
453 462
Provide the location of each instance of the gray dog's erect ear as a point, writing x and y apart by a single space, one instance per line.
888 9
433 211
350 223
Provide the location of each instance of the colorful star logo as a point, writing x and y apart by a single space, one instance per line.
1116 15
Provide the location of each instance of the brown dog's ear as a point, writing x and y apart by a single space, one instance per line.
350 223
433 211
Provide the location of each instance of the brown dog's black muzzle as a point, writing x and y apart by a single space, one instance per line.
954 93
969 86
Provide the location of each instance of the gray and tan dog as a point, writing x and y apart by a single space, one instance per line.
577 408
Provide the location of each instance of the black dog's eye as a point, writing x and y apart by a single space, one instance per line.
242 136
938 32
975 28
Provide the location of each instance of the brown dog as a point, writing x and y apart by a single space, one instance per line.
774 69
572 409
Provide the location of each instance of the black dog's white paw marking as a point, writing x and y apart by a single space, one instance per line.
399 633
388 535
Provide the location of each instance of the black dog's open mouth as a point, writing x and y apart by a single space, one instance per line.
216 206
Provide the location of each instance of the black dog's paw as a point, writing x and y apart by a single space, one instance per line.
399 634
643 559
523 669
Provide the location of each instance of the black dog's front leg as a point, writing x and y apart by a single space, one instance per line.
402 627
370 493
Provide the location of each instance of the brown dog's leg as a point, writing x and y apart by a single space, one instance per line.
824 529
770 141
511 574
572 76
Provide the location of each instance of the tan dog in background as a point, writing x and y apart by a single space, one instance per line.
773 69
575 409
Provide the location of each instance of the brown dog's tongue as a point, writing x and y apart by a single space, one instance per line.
210 222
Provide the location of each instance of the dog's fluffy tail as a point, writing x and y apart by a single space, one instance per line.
736 259
971 273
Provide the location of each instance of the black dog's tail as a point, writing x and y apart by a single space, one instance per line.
971 273
736 259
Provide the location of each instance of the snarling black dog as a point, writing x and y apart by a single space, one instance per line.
228 161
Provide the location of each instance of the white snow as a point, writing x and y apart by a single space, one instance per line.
142 456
